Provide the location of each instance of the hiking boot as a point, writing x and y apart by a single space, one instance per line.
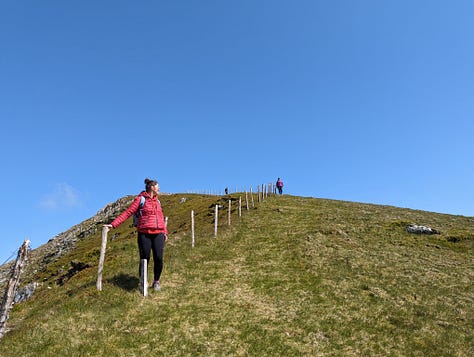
156 285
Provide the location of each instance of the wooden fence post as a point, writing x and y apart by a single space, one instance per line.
12 286
240 206
144 277
246 200
216 219
192 228
102 257
251 195
228 215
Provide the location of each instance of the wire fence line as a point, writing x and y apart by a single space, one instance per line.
13 253
261 193
269 188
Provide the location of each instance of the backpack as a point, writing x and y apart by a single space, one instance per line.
138 213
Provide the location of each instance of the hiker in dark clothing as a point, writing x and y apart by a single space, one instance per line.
279 185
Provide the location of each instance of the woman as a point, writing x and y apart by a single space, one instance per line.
152 232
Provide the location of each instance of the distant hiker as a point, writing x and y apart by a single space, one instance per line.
151 227
226 191
279 185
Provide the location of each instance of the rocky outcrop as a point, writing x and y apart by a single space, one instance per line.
414 228
66 241
25 292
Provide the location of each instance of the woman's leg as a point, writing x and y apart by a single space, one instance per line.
144 248
158 247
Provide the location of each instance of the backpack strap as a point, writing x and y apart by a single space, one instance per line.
139 211
142 202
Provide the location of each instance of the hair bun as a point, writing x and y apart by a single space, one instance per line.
147 180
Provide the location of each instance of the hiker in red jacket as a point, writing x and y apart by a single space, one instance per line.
279 185
151 227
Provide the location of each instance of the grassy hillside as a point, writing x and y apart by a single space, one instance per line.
293 277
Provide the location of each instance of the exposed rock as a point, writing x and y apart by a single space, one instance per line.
65 242
24 293
413 228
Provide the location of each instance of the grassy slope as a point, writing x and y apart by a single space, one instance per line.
296 276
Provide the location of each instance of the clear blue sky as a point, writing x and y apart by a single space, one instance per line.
367 101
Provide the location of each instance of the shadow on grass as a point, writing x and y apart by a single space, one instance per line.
125 281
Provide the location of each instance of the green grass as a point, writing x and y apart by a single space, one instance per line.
294 276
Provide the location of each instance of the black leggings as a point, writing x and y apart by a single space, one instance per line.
155 243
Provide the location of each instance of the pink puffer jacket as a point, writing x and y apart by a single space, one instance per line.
151 220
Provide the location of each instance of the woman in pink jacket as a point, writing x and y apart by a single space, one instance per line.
151 227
